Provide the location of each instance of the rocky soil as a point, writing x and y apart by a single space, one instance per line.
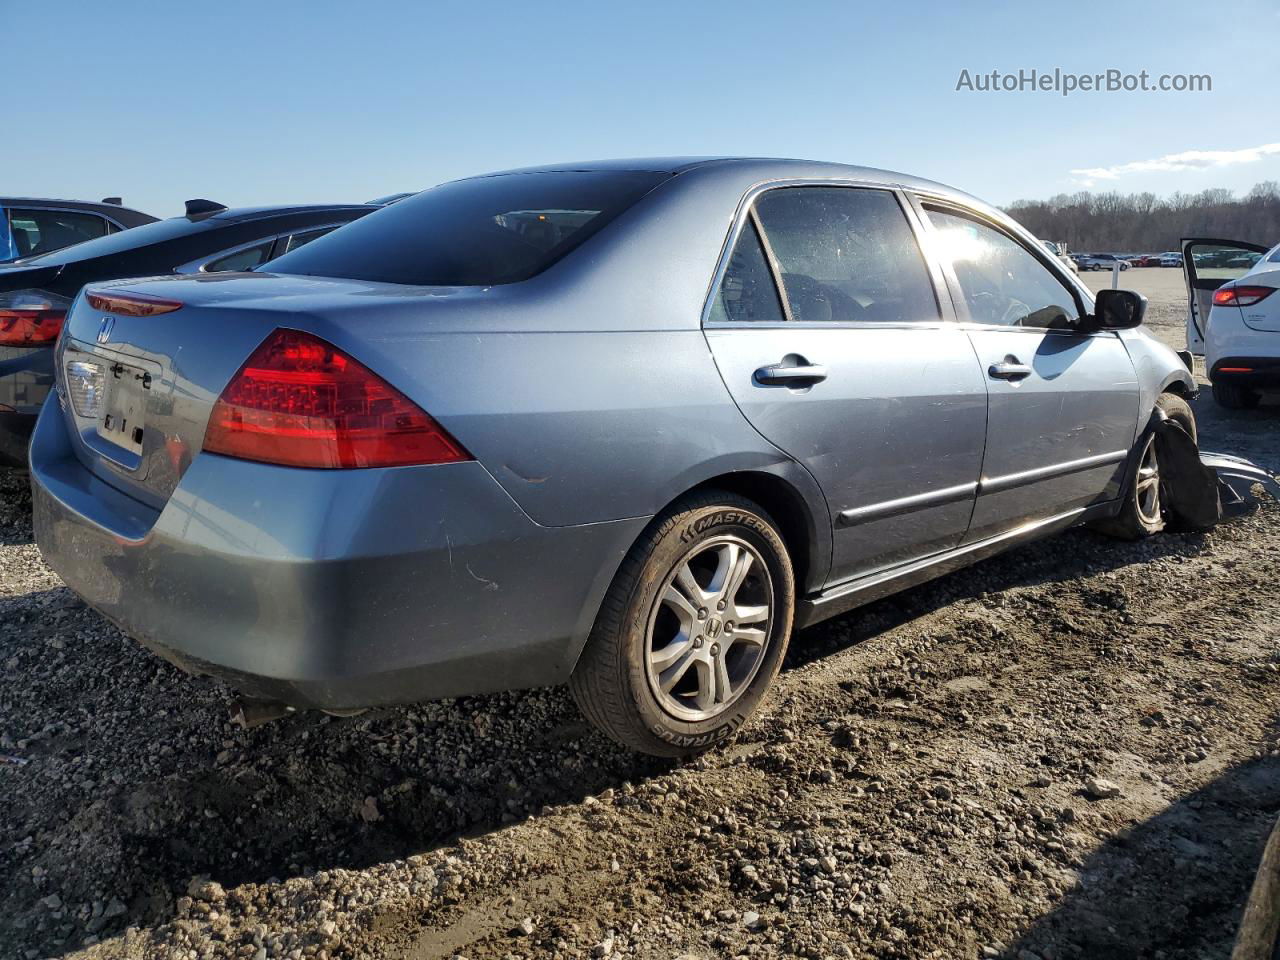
1068 751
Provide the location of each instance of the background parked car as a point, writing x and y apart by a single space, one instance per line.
369 437
1171 259
1059 250
35 292
1103 261
1233 317
30 227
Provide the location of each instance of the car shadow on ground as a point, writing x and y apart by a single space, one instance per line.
1068 556
1174 884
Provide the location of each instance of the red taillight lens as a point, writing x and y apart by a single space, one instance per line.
130 304
31 318
1240 296
301 402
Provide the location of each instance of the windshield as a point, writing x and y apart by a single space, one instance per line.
129 239
479 232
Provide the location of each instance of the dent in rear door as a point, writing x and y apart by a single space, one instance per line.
854 373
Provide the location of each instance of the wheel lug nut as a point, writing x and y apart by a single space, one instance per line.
720 605
697 643
728 626
715 649
702 613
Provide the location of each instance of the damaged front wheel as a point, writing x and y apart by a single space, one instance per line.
1144 511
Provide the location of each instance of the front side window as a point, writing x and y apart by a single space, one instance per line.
747 293
1003 283
846 254
37 231
478 232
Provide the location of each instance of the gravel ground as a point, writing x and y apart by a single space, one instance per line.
1071 750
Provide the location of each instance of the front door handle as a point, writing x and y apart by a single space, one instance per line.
792 376
1010 368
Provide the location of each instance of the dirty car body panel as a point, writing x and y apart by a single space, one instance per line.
589 395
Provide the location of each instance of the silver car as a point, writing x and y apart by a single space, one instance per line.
621 424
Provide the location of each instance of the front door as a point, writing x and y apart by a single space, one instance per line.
1207 265
1062 409
853 371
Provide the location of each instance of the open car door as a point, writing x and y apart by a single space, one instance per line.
1207 264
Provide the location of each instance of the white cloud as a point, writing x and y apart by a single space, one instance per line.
1174 162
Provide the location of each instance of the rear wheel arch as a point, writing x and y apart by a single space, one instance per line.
800 514
801 530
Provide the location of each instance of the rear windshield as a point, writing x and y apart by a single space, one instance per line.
129 239
480 232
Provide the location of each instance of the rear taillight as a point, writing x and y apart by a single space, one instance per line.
301 402
130 304
31 318
1240 296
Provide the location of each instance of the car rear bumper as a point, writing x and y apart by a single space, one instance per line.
1256 372
329 588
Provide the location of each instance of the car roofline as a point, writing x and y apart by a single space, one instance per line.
766 168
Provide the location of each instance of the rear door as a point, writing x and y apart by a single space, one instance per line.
1206 265
1062 405
855 371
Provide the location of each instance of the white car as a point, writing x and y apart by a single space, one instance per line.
1059 250
1103 261
1171 259
1234 317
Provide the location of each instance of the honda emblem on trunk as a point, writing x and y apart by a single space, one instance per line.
104 329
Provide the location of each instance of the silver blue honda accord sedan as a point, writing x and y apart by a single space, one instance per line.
623 424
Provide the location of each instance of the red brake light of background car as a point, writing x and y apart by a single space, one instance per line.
130 304
299 401
31 318
1240 296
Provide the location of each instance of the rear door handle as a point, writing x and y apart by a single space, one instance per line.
1008 369
799 375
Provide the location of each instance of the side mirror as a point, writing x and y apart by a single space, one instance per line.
1116 310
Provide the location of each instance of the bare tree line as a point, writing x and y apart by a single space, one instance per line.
1145 223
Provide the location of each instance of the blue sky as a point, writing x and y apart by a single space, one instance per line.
265 102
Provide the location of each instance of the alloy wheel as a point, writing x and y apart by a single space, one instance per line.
709 628
1148 484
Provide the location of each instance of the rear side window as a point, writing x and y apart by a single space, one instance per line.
245 259
747 293
34 232
479 232
302 239
846 254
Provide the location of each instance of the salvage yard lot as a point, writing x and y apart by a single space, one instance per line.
1071 750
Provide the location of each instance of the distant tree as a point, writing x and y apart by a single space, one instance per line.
1143 222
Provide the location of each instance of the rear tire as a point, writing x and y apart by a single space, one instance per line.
1143 513
692 630
1232 396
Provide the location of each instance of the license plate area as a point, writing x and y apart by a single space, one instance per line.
123 421
97 384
